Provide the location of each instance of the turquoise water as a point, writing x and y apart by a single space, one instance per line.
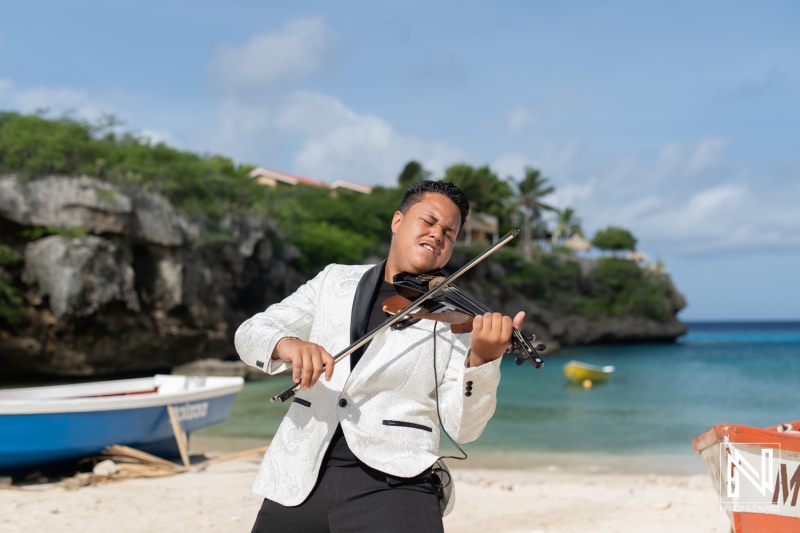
660 397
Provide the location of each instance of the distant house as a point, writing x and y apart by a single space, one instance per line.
480 228
274 178
578 243
637 257
357 187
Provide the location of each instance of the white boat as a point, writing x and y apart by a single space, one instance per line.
40 426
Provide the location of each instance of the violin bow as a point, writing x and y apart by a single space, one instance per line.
412 307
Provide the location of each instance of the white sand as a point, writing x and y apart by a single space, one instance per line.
545 499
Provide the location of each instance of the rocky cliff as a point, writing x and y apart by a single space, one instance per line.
565 329
116 282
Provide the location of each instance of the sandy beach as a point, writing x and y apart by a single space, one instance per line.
533 499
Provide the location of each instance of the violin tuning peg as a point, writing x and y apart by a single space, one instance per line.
518 360
541 347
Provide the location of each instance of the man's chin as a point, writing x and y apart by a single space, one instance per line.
423 268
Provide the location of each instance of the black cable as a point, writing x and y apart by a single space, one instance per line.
438 412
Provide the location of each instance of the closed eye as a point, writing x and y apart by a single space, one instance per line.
448 234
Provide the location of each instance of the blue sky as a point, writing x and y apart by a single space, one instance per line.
678 120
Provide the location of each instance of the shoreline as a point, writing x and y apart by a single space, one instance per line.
575 462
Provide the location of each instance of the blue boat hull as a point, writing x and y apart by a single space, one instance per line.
33 441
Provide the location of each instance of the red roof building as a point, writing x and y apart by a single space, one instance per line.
273 178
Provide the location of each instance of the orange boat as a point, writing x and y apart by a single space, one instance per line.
756 472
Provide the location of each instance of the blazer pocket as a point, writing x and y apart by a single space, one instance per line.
406 425
301 401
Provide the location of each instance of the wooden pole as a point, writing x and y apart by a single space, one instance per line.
180 436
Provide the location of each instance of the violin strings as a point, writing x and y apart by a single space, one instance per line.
466 300
457 301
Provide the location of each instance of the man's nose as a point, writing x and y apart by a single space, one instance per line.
438 232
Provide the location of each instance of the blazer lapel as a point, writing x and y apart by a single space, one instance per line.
363 301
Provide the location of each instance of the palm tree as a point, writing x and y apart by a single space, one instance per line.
532 188
567 225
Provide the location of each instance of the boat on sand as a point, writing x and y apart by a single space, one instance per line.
43 426
756 473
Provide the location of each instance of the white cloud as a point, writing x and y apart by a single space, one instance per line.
676 161
60 98
511 164
55 100
518 119
366 148
302 131
688 199
328 140
275 57
158 136
77 103
706 154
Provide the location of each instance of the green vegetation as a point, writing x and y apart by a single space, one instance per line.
11 313
612 287
33 146
340 229
341 226
532 188
614 239
37 232
567 225
487 193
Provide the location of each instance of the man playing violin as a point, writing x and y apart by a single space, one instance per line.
359 449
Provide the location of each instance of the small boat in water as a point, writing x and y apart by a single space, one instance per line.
578 372
41 426
756 472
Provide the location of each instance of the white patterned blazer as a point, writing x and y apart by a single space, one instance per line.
386 405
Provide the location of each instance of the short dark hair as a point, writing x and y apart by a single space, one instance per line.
417 190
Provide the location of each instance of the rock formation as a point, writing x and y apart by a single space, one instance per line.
557 329
115 282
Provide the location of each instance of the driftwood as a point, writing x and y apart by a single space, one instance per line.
119 462
132 464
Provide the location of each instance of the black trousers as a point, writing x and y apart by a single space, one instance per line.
357 498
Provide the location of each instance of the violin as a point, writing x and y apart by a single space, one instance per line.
429 292
455 307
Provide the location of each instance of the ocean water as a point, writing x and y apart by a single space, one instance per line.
660 397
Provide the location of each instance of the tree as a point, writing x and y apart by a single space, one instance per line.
567 225
412 173
528 203
614 239
486 192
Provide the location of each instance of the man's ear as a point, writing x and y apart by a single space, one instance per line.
396 220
